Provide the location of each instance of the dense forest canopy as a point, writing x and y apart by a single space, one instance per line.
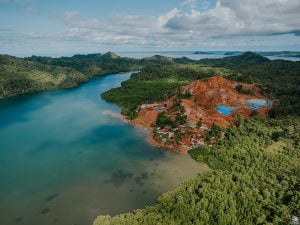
255 179
33 74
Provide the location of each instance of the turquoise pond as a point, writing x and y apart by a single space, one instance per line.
225 110
255 104
66 157
159 108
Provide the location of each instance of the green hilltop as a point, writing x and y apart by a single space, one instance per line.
34 74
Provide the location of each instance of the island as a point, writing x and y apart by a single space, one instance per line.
202 53
233 53
295 54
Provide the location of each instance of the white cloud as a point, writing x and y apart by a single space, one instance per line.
247 17
229 23
227 18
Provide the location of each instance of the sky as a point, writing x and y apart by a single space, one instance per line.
66 27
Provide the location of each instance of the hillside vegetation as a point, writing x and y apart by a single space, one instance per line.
156 83
279 79
33 74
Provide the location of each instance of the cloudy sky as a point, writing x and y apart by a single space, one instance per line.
64 27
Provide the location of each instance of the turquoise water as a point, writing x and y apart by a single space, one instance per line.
225 110
66 157
254 104
159 108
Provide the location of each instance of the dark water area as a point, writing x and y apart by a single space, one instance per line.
66 157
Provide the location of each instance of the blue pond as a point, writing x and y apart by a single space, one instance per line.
255 104
225 110
159 108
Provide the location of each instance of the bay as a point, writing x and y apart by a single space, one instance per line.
66 156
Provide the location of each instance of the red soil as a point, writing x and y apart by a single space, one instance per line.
205 96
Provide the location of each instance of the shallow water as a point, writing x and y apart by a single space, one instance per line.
66 157
256 104
225 110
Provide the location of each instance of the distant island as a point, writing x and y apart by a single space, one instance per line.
281 54
263 53
233 53
202 53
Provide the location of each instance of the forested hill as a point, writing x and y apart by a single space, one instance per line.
33 74
245 59
36 73
91 64
278 79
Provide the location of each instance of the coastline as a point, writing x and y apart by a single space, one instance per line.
149 132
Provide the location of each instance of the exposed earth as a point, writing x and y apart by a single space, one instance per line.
199 106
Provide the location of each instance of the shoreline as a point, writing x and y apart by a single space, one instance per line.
150 138
149 133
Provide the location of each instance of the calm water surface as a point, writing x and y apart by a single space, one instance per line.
66 157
